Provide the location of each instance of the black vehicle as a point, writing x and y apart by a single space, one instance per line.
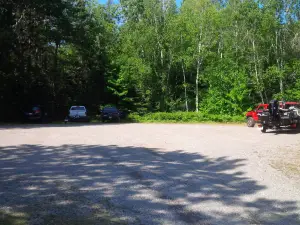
35 113
110 113
275 117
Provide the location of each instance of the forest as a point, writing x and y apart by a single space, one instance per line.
217 57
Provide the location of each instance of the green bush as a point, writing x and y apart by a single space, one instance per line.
185 117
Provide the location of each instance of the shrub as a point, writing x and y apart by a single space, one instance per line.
185 117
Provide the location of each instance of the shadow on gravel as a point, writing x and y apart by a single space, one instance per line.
82 184
284 131
59 125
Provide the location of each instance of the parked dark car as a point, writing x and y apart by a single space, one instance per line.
35 113
110 113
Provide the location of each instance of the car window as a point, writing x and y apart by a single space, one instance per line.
261 107
290 105
35 108
81 108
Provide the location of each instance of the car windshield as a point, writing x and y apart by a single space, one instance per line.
110 109
30 108
261 107
82 108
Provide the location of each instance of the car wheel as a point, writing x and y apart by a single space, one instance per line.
264 129
250 122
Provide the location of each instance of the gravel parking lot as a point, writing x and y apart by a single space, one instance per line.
148 174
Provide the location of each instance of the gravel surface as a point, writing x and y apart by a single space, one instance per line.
148 174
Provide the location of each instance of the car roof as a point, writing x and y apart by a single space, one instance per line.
77 106
292 103
110 107
280 103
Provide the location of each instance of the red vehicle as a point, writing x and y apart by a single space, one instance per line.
253 115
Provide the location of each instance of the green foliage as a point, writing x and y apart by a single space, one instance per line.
56 53
228 89
101 107
218 57
185 117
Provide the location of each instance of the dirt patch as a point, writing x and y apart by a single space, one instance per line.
147 174
288 162
37 217
13 218
68 206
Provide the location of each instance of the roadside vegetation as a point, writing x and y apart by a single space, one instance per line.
184 117
216 58
174 117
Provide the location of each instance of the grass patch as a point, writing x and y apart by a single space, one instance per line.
98 215
13 218
103 218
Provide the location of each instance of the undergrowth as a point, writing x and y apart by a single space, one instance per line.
185 117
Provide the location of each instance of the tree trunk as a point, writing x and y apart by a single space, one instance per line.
197 77
54 74
266 97
185 88
220 46
169 71
220 50
184 78
281 68
163 75
236 39
278 46
256 70
281 86
198 70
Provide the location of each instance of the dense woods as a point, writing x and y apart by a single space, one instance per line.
213 56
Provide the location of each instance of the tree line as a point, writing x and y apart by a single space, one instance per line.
213 56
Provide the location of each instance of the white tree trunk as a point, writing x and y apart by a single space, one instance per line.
197 77
198 70
278 60
256 70
236 38
184 79
185 88
281 68
220 49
